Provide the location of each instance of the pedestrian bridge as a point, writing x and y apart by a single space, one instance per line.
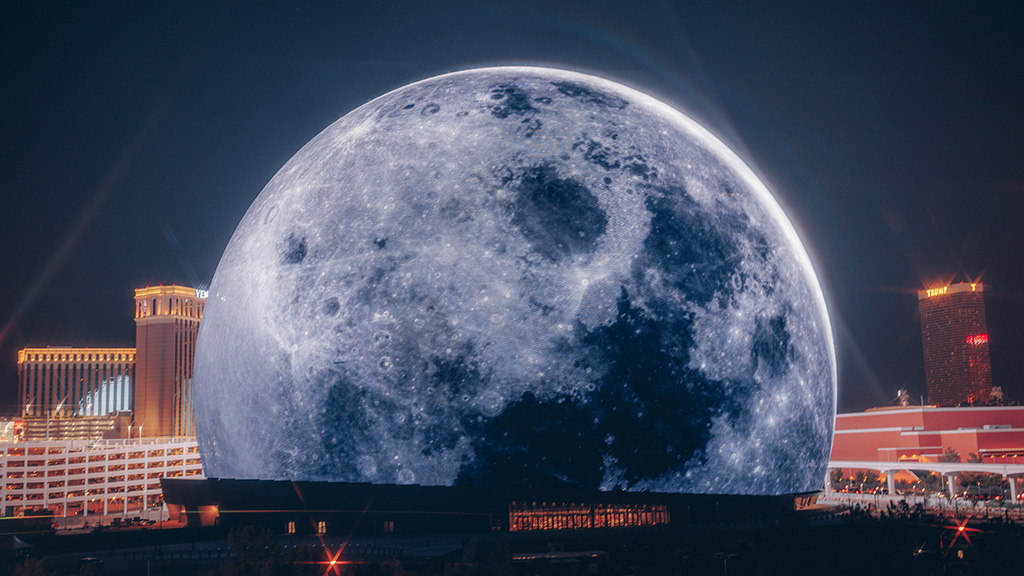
949 470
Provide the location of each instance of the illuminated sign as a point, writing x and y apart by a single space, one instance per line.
204 294
936 291
12 431
977 339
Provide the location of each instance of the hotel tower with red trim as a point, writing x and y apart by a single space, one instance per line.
955 339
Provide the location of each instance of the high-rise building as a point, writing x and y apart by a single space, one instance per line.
76 429
166 324
955 340
154 379
65 382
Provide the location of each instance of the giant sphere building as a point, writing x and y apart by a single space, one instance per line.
517 277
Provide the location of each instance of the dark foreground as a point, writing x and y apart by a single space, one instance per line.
900 541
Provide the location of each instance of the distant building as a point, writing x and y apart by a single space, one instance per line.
955 341
108 426
524 516
92 477
166 324
345 509
153 380
995 434
99 427
75 382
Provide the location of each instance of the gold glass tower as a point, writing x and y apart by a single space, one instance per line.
166 324
955 339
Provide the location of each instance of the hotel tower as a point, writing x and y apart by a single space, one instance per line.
166 324
955 340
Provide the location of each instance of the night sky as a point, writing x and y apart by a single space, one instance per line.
136 137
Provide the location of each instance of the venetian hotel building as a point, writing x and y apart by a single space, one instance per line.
65 382
166 324
98 427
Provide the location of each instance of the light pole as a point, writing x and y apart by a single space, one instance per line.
725 560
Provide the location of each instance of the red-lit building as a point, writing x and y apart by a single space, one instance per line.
923 433
532 516
955 339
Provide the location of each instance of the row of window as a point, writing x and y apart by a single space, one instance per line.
111 455
57 469
40 451
126 355
13 486
570 518
55 492
78 493
169 307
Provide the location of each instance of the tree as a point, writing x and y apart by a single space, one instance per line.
255 552
302 561
32 567
499 561
950 455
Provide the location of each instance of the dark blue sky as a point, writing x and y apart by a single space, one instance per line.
136 137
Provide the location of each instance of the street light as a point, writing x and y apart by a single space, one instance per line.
725 560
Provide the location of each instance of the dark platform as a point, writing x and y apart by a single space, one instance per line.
347 508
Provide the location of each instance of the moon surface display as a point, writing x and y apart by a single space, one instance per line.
517 277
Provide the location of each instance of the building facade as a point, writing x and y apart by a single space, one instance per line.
166 324
65 382
994 434
523 516
92 477
99 427
108 426
954 336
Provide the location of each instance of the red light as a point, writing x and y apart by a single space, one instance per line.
976 339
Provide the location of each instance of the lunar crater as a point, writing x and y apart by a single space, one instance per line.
511 101
294 250
559 217
589 95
